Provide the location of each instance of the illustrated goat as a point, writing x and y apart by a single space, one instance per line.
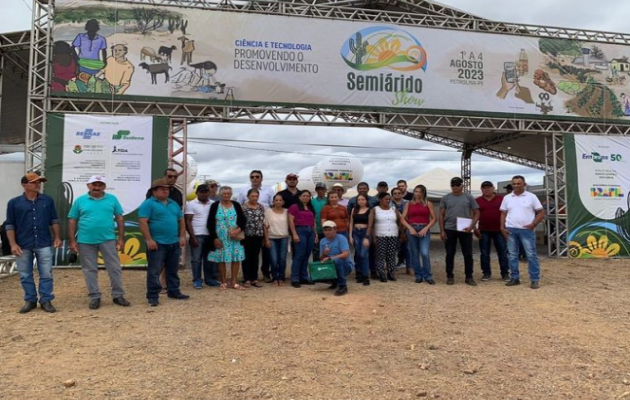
149 52
155 69
167 52
188 47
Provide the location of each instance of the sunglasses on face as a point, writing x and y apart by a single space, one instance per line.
213 186
255 177
456 184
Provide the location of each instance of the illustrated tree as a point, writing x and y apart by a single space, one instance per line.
597 53
149 19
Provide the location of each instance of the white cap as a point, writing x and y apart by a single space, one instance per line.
329 224
97 178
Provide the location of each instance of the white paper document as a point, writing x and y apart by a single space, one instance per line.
463 223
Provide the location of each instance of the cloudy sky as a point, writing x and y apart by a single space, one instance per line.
385 156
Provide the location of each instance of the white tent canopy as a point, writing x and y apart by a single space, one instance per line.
437 181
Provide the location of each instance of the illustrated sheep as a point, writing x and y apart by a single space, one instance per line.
149 52
167 52
155 69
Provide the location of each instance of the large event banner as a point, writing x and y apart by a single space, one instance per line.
598 177
125 49
127 151
118 148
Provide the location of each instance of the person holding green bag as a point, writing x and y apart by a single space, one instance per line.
334 247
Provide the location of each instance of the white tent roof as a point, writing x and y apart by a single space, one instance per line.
437 181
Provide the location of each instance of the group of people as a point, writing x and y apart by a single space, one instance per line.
384 230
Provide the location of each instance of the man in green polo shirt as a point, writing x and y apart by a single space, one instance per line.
162 225
94 214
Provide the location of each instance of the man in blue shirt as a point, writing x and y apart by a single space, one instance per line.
30 218
94 213
335 247
162 225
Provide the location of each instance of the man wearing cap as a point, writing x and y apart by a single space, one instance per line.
196 216
454 205
162 225
335 247
170 176
94 214
30 219
213 186
318 203
382 187
340 190
489 231
290 195
521 211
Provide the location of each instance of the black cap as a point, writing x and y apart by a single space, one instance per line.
202 187
487 184
382 183
457 180
508 186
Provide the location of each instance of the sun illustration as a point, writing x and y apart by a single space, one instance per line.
594 248
130 255
383 50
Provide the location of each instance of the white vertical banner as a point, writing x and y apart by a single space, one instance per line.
603 170
119 148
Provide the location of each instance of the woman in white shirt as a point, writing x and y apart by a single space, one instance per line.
277 226
383 227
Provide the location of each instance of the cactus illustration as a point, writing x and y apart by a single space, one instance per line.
172 25
183 26
359 48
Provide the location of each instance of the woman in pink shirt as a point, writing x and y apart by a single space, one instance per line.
304 233
420 215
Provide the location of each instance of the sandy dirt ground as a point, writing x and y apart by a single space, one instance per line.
399 340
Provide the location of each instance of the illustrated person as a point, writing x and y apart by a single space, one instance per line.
454 205
304 234
65 66
420 215
625 102
254 237
196 218
359 221
92 216
521 212
490 231
291 193
91 48
162 224
30 219
226 225
277 226
383 227
337 213
318 203
118 69
335 247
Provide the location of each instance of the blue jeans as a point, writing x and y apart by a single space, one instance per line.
485 244
199 262
343 267
419 253
278 255
303 250
44 256
527 238
361 253
167 255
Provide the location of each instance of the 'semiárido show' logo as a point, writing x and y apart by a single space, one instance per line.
383 47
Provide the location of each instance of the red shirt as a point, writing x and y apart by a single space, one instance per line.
490 213
418 214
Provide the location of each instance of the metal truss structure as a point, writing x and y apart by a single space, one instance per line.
556 188
485 135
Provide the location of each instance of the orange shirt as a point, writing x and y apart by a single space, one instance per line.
339 215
